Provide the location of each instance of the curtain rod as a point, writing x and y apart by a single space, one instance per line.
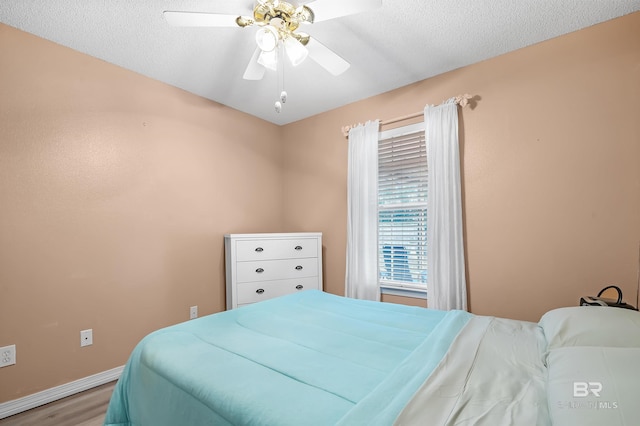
462 100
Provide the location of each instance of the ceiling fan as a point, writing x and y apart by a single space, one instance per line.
278 23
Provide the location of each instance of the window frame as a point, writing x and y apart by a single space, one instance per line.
396 288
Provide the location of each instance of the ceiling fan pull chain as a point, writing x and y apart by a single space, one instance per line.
283 93
280 78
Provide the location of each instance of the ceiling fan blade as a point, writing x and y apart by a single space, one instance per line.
254 70
199 19
326 57
329 9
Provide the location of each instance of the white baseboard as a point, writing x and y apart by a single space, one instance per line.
28 402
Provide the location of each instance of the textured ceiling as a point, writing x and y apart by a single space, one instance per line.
402 42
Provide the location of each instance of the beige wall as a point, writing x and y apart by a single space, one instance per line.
551 170
115 193
115 190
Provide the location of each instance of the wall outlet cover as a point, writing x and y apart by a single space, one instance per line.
7 355
86 337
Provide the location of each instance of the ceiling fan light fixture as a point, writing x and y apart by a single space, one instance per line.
296 52
267 38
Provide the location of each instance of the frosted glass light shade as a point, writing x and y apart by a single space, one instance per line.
296 52
267 38
269 59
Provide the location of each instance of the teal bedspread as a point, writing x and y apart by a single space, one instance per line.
310 358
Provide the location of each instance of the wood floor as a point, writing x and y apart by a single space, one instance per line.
84 409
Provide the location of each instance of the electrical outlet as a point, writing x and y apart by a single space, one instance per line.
7 355
86 337
193 312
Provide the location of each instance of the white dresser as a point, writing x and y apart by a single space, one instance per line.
263 266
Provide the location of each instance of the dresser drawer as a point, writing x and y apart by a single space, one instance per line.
276 249
269 270
263 290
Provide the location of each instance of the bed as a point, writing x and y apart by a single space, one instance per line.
313 358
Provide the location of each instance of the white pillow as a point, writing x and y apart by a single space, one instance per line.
591 326
594 386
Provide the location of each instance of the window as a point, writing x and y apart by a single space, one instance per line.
402 210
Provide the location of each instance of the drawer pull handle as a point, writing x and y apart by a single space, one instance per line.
299 287
298 268
259 249
259 270
260 290
298 248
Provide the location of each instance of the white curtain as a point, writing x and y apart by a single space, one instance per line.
447 287
361 278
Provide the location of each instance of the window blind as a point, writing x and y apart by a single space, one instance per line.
402 209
